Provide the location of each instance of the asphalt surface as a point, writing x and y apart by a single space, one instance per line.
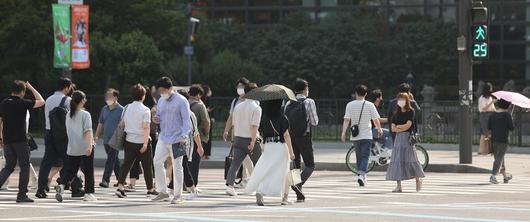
331 196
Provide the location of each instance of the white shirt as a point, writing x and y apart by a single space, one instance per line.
245 115
135 115
353 111
486 104
52 102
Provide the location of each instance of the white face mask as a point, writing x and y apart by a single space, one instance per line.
110 102
240 91
401 103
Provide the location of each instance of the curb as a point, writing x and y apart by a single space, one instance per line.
432 168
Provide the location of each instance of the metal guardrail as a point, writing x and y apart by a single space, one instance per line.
437 122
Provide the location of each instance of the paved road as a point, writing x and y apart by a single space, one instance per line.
332 196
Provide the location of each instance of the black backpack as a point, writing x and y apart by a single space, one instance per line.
57 118
297 116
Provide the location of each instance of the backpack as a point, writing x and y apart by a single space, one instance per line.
234 103
297 116
57 118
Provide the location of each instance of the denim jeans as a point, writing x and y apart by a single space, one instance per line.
362 153
385 140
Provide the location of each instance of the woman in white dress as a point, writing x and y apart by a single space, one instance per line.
270 173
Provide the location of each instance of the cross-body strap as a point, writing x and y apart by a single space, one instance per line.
63 101
361 114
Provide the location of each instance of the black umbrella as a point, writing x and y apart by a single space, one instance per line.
271 92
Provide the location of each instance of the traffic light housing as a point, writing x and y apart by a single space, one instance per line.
479 33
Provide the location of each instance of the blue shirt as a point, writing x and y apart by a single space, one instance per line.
110 118
174 115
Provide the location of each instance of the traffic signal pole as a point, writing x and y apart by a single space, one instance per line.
465 79
189 10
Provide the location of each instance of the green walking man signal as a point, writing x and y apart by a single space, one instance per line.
479 34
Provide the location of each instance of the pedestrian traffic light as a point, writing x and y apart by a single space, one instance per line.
479 34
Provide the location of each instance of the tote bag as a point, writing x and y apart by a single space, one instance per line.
118 138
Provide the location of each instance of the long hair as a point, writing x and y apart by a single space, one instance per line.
149 101
487 90
408 106
272 108
77 98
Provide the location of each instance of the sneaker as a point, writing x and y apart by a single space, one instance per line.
154 193
508 178
59 191
493 180
24 199
231 191
161 197
198 190
286 201
78 194
177 200
361 180
130 188
300 197
104 185
193 196
120 193
259 199
41 195
90 197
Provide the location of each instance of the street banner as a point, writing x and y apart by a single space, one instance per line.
80 48
61 36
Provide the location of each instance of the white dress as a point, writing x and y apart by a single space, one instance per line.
270 173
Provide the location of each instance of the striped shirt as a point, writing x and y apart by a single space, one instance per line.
311 111
369 112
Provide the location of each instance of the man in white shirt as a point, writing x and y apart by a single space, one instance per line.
245 120
359 115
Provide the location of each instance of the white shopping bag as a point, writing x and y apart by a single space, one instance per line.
294 176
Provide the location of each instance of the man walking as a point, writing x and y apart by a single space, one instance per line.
360 114
203 122
13 137
173 114
245 121
302 116
109 118
55 138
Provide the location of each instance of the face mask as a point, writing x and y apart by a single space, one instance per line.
109 102
401 103
240 91
164 96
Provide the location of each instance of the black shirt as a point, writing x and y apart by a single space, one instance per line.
500 125
393 106
275 127
13 112
402 118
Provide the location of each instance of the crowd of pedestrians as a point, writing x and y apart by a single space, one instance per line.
166 139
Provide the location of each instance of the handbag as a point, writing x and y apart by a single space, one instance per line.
355 128
228 163
294 177
485 147
179 150
31 142
2 165
118 138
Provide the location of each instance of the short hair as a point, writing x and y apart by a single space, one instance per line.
375 94
18 86
63 83
299 85
250 87
487 90
503 104
184 93
164 82
404 88
196 90
206 89
138 92
114 92
361 90
243 81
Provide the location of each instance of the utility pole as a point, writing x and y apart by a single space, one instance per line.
465 79
189 49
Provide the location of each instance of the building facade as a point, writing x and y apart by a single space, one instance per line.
509 24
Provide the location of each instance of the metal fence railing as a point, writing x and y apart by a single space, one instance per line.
438 121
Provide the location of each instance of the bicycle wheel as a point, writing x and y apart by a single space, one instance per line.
423 156
351 161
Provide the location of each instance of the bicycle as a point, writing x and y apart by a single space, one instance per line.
381 156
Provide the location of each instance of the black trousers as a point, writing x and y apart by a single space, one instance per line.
71 167
196 165
132 152
188 178
208 145
303 149
17 152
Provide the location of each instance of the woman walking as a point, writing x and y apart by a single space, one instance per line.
270 173
135 122
80 151
486 107
404 163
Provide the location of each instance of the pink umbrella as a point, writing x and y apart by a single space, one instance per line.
513 97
